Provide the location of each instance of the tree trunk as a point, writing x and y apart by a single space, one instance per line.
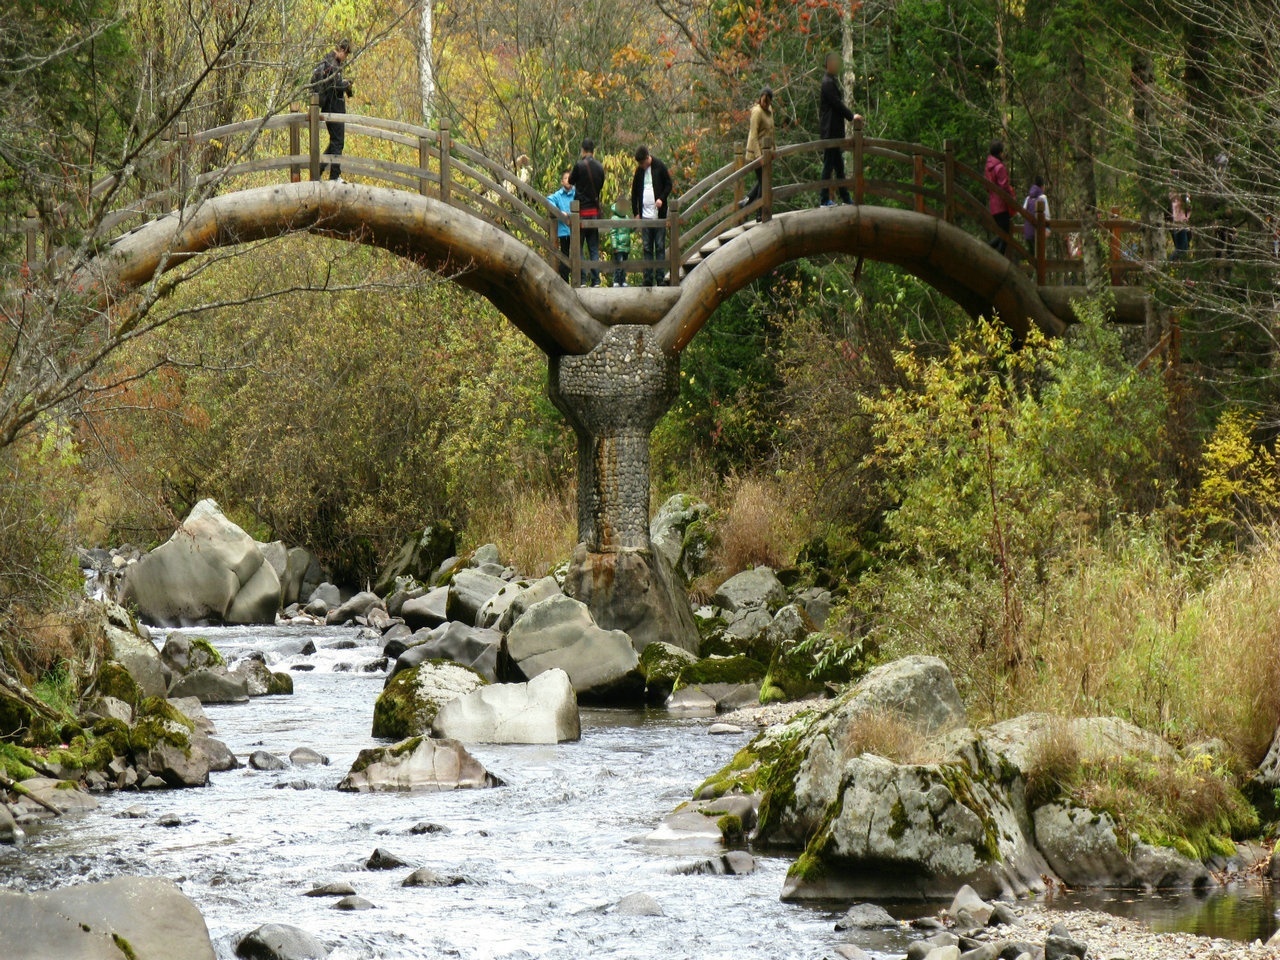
426 67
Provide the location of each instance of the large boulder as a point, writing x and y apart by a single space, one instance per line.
758 588
409 702
139 658
427 611
197 576
419 557
678 533
633 591
417 764
470 646
211 685
182 654
279 941
469 591
535 592
491 614
97 921
558 633
544 710
357 606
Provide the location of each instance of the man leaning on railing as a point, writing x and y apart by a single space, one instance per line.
333 90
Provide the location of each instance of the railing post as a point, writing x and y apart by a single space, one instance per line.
738 162
917 163
554 233
1042 235
424 161
295 142
575 245
949 182
673 241
31 227
766 185
184 158
859 175
1115 246
313 127
446 174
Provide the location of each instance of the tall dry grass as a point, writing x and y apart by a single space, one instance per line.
535 529
759 524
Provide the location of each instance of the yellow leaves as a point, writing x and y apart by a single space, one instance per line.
1240 479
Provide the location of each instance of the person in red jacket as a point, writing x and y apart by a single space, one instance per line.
1001 207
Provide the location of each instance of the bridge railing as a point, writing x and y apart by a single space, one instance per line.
190 165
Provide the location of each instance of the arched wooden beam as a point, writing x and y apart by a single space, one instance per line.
468 250
958 265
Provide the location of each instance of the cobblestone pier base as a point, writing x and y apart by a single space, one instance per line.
613 397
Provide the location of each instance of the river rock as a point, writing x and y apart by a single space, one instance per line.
535 592
10 832
733 863
1095 738
211 685
357 606
411 699
427 611
544 710
306 757
259 680
558 633
424 877
418 557
472 647
384 860
758 588
866 916
200 573
217 754
966 902
633 591
491 614
325 597
468 592
338 888
176 764
660 665
182 653
682 549
353 903
193 710
85 922
262 760
279 941
109 708
417 764
139 658
637 905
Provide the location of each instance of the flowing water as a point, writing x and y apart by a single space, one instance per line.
546 855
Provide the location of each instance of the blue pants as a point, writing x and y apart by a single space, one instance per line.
655 248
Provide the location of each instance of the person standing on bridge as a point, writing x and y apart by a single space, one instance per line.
999 194
1036 197
587 179
759 139
326 80
832 114
562 200
650 191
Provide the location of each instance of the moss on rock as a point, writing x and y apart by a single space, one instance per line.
17 763
721 670
280 684
411 699
208 654
660 664
115 681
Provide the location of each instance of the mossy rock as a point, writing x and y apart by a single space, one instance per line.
205 654
411 699
660 664
158 720
721 670
280 684
17 763
115 681
788 676
371 755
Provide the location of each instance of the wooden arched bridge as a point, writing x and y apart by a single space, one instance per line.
430 197
614 352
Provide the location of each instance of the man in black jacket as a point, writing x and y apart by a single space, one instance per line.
832 113
587 179
327 81
650 191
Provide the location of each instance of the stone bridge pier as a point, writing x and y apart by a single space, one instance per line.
613 397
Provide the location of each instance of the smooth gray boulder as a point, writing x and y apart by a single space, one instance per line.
177 765
759 588
420 764
279 941
669 525
139 658
544 710
491 613
535 592
472 647
10 832
182 653
637 905
357 606
427 611
211 685
56 792
418 557
199 573
866 916
84 922
558 633
469 591
734 863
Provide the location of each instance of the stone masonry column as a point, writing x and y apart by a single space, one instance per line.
613 397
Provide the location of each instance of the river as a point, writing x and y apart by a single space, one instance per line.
546 855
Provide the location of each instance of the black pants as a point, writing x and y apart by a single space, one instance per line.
654 241
833 165
1181 243
754 195
1003 221
337 140
564 249
591 247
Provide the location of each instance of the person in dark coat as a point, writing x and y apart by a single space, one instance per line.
650 192
587 179
327 81
832 114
